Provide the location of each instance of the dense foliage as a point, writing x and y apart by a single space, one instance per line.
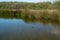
25 5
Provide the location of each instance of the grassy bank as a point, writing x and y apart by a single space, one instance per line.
49 15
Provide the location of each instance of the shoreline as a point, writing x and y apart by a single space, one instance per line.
46 14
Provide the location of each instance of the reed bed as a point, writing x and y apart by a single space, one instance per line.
50 15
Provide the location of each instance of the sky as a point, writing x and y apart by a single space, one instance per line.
28 0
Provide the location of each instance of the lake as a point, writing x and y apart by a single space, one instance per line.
15 25
20 29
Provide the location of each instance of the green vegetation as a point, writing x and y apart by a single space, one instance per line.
43 11
30 15
25 5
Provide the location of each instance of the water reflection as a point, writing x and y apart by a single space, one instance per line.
21 26
18 29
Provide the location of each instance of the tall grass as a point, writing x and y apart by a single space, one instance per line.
47 15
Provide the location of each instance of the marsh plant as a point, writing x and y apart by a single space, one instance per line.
26 14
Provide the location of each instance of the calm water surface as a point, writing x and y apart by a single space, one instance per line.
18 29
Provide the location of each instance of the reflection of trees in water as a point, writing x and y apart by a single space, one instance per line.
30 17
55 23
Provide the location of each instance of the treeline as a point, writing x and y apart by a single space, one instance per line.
25 5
